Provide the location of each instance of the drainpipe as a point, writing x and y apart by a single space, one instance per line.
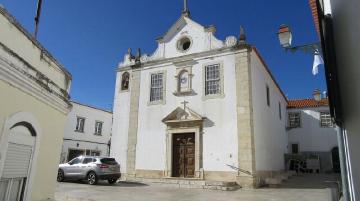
343 165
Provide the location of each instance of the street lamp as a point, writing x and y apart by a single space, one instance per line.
285 39
285 36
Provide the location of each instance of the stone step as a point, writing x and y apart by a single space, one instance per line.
190 183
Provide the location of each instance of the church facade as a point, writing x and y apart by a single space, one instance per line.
198 108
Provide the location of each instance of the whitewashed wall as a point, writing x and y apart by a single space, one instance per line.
220 128
87 139
311 136
120 127
201 40
269 129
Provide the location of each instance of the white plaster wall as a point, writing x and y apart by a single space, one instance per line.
120 125
347 36
88 139
201 40
269 129
91 115
311 136
219 134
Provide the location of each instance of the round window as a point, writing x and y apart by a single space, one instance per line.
184 44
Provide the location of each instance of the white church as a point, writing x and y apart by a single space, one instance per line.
198 108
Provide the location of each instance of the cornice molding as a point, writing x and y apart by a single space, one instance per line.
21 77
188 57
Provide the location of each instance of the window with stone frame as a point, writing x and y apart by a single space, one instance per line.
294 119
212 79
98 127
156 87
325 119
80 122
125 80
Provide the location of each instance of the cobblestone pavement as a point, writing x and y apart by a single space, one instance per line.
301 188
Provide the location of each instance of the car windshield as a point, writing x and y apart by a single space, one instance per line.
108 161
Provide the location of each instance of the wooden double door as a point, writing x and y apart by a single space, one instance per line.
183 155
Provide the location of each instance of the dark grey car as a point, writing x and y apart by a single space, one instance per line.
90 168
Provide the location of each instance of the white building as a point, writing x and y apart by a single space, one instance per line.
198 107
87 132
311 131
34 103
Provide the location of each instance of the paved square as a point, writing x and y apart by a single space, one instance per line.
304 188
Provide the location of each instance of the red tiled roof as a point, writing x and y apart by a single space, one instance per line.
314 13
301 103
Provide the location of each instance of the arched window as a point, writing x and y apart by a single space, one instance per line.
184 81
125 79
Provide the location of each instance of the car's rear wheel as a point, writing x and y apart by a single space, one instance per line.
60 176
112 181
92 178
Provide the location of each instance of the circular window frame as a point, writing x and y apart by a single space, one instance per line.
181 41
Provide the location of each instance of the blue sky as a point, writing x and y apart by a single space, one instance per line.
90 37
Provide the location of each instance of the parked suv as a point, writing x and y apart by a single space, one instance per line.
91 168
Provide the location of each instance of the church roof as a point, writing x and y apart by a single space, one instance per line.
303 103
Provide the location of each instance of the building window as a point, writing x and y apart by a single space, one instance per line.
295 148
294 119
325 119
156 87
80 124
212 79
279 110
268 95
98 127
125 79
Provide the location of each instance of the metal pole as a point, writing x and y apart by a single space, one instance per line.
37 17
343 166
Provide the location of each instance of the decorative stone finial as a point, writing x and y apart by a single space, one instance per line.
138 55
129 52
138 52
242 38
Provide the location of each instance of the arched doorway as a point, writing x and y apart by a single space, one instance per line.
335 159
17 161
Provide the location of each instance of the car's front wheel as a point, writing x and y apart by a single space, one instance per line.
60 176
92 178
112 181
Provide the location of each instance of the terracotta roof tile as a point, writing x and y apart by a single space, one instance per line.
301 103
314 13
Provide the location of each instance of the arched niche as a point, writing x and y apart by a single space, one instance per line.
125 81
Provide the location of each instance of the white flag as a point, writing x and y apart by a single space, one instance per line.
317 61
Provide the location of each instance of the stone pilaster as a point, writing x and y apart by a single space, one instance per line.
133 123
246 147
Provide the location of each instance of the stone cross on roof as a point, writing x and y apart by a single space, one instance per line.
186 11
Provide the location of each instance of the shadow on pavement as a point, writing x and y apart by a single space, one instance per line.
118 184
